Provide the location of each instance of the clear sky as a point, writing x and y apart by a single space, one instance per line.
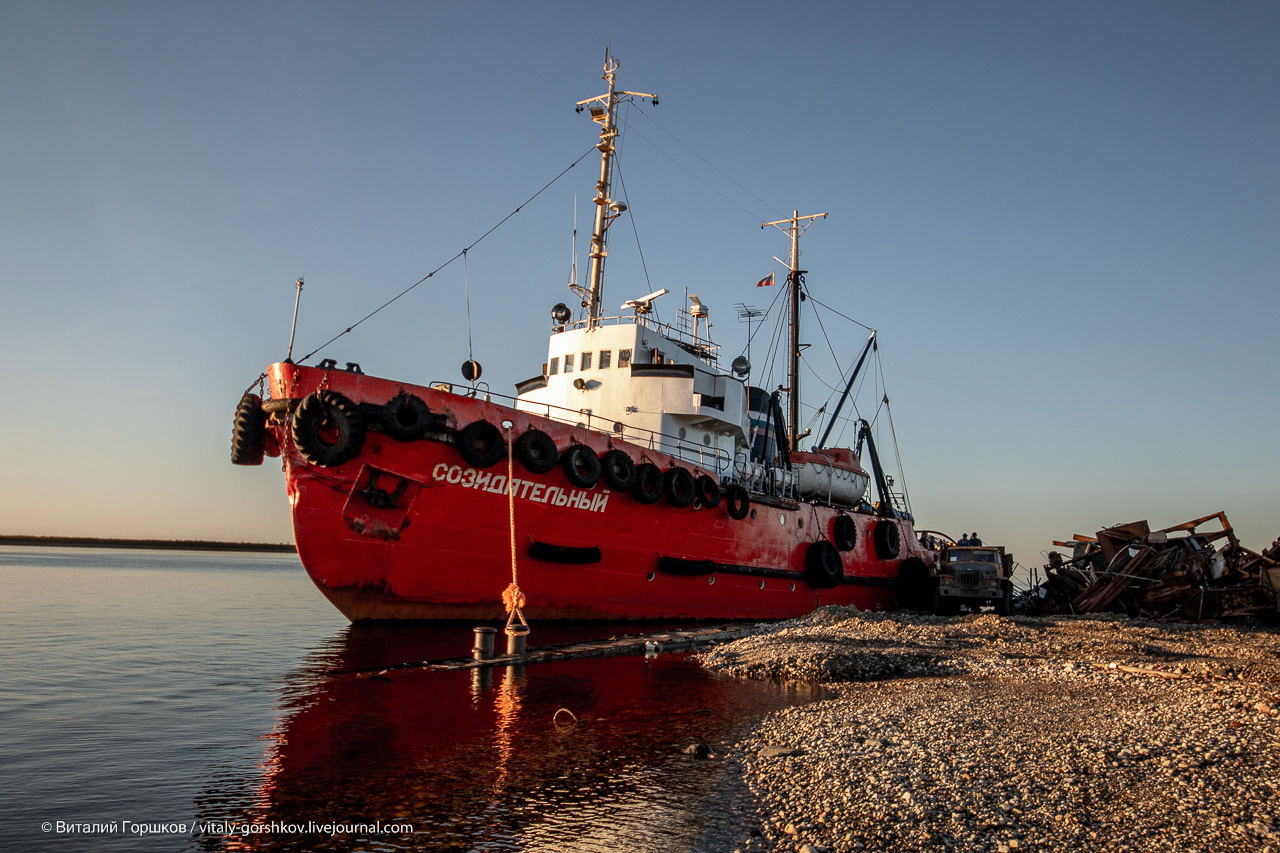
1064 220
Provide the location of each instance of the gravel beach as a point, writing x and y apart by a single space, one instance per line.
1011 734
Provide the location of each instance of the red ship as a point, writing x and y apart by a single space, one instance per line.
632 479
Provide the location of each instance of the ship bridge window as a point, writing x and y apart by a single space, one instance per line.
555 366
606 357
568 363
586 361
624 358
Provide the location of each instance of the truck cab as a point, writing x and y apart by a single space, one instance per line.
975 575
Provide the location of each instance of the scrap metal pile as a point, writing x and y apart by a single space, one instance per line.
1176 572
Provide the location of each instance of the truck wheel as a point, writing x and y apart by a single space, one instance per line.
945 605
915 585
1004 604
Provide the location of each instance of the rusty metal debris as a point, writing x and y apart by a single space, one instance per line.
1176 572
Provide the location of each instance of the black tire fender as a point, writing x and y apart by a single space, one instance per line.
822 565
481 444
738 502
618 470
648 487
844 532
317 414
887 539
406 417
707 491
248 434
678 486
536 451
581 466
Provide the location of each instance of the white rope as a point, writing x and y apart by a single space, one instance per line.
512 597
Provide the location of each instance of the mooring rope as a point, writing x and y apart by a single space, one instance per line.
512 597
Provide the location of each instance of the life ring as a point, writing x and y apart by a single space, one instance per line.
328 429
581 466
481 444
738 502
648 487
618 470
706 491
887 539
405 417
678 486
536 451
822 565
248 434
844 533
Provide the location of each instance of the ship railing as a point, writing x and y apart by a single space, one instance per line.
691 343
706 457
900 503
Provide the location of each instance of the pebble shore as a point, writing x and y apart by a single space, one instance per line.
1011 734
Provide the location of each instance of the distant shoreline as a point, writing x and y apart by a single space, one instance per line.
145 544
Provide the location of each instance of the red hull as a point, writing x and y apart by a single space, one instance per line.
439 547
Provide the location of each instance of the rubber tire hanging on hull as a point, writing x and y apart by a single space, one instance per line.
536 451
581 466
887 539
678 486
405 417
248 434
648 487
481 444
739 502
618 470
822 565
844 533
707 492
322 410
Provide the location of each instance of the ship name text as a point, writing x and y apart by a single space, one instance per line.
525 490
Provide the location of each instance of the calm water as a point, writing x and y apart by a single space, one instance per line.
147 689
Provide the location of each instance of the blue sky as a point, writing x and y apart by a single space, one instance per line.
1062 219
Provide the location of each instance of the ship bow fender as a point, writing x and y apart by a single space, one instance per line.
248 434
328 429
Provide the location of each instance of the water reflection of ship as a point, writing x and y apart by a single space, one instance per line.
477 763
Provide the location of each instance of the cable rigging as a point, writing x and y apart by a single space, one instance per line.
460 254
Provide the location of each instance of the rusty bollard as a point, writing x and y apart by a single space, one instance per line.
517 640
483 648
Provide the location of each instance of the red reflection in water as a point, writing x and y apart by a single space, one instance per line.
477 766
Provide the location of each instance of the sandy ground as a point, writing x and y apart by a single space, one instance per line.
985 733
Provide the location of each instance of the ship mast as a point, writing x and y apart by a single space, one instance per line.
604 109
795 278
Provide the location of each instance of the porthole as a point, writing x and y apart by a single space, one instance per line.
762 584
711 580
650 576
753 515
782 519
706 439
793 586
683 433
799 522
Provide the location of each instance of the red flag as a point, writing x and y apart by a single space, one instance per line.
767 281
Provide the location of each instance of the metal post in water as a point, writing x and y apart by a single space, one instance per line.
517 640
294 327
483 648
